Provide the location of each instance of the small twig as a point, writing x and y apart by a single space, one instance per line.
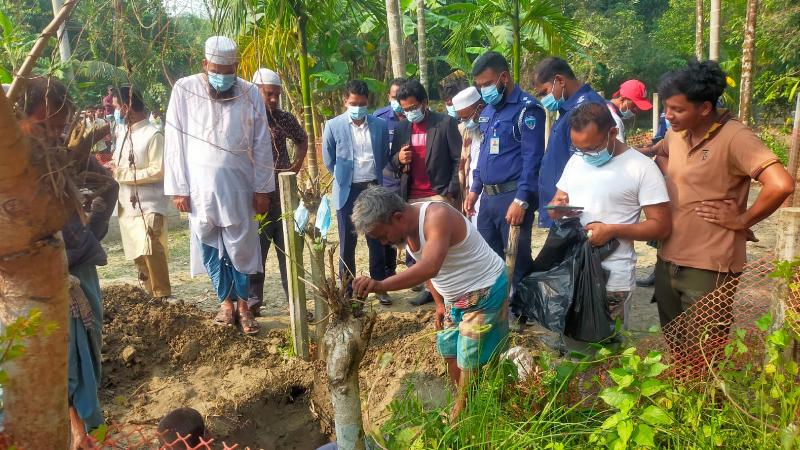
135 392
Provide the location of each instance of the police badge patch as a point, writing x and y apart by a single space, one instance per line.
530 122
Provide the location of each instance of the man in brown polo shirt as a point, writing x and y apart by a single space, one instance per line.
710 159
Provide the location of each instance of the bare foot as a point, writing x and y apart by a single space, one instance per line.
77 430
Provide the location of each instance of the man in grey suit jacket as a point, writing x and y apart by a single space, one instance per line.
427 150
355 148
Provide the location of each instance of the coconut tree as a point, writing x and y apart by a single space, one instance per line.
699 25
422 44
748 63
537 25
395 27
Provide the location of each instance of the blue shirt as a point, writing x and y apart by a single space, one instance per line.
519 125
387 113
558 145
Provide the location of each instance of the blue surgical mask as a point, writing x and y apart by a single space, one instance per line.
601 157
357 112
118 117
549 101
221 82
471 125
627 114
415 116
451 111
396 107
491 95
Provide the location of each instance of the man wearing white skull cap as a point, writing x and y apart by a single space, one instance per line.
469 105
282 126
219 168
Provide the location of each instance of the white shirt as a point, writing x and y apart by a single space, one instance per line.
620 124
363 157
615 193
219 153
474 153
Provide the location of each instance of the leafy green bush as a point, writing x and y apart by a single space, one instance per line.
618 400
777 146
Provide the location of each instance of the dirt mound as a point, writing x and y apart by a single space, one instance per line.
157 357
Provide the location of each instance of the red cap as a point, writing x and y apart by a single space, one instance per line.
634 90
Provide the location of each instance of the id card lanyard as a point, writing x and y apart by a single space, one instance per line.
494 141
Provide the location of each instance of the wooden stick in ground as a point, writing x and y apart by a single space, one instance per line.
511 253
294 266
21 77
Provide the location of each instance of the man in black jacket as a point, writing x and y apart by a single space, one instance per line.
427 149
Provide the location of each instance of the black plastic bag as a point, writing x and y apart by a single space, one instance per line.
589 317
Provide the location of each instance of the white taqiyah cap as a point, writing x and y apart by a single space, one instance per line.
221 50
466 98
266 76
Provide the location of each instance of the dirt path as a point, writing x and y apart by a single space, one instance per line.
157 357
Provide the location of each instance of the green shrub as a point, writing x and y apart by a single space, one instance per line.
775 144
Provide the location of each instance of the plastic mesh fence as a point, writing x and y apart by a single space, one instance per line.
697 338
642 139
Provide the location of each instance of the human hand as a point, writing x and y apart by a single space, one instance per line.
182 203
261 203
110 166
724 213
469 203
599 233
515 214
439 316
405 154
562 199
363 286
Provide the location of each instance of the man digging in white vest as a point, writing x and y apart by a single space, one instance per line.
468 280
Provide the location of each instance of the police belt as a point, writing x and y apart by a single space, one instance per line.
364 184
390 174
502 188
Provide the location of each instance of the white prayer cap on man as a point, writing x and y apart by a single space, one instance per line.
466 98
266 76
221 50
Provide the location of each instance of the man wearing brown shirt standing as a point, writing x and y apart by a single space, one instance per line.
708 159
282 125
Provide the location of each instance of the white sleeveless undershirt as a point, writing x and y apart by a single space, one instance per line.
469 265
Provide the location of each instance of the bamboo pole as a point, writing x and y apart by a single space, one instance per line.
21 77
656 113
787 247
294 266
794 154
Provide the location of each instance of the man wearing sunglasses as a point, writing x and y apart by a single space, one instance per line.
614 184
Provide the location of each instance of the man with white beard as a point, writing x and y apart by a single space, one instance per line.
469 106
219 168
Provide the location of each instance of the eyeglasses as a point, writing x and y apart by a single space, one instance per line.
594 151
413 108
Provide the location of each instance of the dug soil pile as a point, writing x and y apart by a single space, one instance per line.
157 357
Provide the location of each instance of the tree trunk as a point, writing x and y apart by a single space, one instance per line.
305 84
517 57
422 44
748 63
33 274
713 25
395 23
699 25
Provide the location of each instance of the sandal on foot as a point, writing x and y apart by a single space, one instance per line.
225 318
248 323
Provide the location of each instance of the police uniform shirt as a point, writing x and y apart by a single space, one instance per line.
558 145
387 113
519 128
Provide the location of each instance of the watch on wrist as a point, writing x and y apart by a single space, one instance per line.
522 203
650 152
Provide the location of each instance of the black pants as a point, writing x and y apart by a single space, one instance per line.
270 233
348 240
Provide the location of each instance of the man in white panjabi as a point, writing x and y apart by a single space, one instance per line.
219 168
469 106
138 166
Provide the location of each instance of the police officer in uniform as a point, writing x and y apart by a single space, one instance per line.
392 114
506 178
560 90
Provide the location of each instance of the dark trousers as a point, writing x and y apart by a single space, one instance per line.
494 228
348 240
270 233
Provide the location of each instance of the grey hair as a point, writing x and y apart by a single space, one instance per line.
375 205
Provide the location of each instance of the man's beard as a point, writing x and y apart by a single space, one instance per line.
216 94
400 244
475 135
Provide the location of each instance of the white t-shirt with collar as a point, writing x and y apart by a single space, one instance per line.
615 193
